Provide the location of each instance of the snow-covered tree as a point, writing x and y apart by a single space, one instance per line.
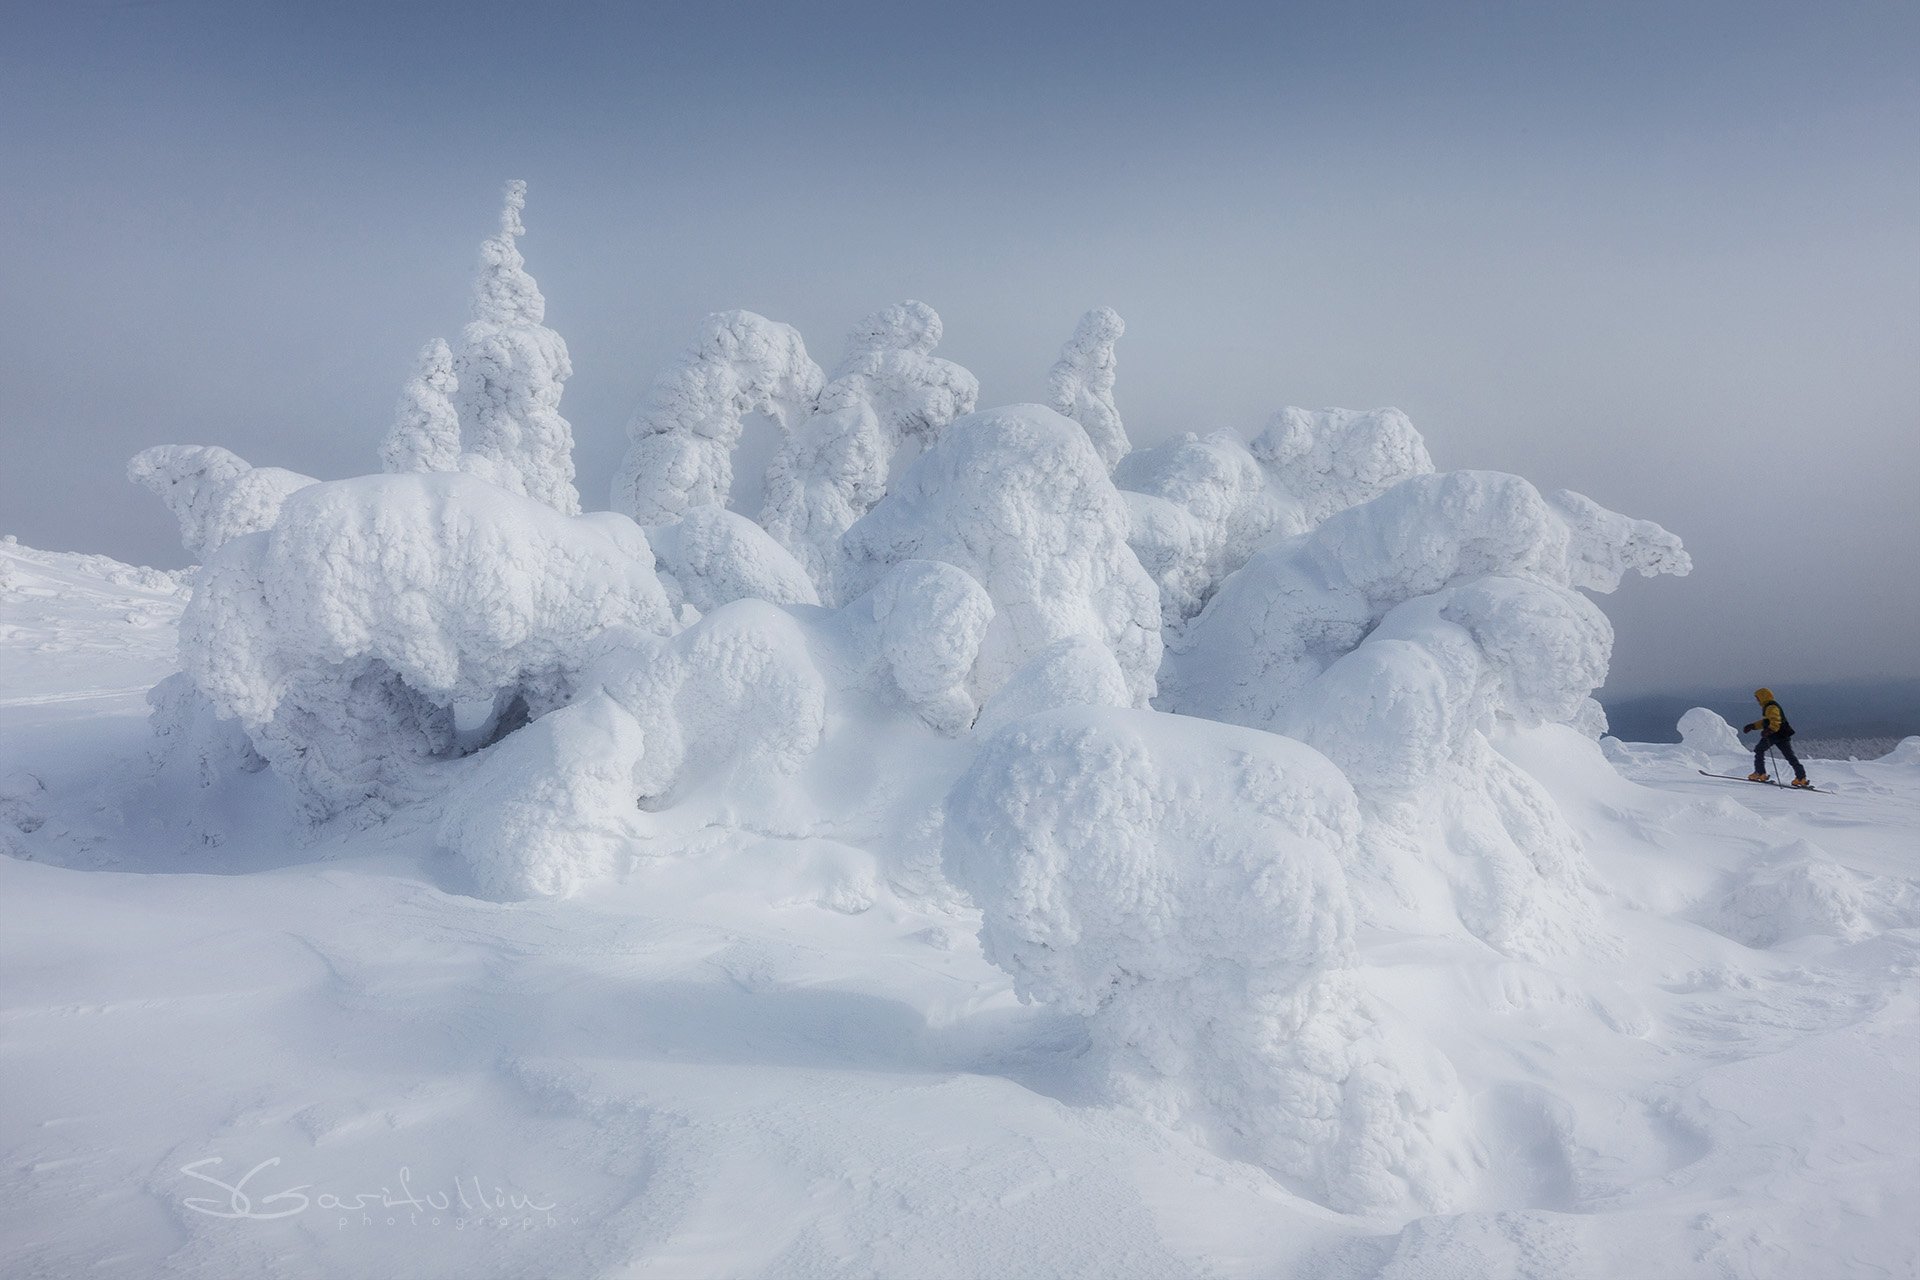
1182 886
1080 384
342 637
215 494
510 373
888 393
683 435
1018 498
425 435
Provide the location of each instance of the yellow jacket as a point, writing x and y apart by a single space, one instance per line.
1772 718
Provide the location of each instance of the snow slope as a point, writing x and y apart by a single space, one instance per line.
239 1045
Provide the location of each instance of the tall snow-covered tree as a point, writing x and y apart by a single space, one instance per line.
510 372
1080 384
425 435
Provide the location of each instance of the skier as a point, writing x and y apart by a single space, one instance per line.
1774 732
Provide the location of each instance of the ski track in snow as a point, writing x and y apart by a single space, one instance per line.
699 1070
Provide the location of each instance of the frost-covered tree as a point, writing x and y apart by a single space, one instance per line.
738 701
1018 498
425 435
1182 886
215 494
1332 459
510 372
1204 504
342 637
1298 605
1080 384
683 435
889 392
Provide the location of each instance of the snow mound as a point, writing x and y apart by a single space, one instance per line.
1604 546
1017 498
1074 672
1907 752
215 494
712 556
683 436
1704 731
928 623
733 707
343 637
1798 891
1198 507
1182 886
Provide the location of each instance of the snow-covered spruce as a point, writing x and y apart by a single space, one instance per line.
889 393
683 436
1017 498
425 435
1080 384
510 372
1181 885
214 493
342 637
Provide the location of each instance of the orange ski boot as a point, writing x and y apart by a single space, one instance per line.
1756 777
1802 782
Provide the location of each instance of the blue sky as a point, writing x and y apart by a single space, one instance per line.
1668 255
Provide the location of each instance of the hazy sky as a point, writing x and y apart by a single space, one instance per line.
1667 255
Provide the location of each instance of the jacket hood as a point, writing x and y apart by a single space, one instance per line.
1763 695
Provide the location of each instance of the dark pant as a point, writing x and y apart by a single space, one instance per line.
1784 746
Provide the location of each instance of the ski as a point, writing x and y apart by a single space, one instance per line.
1734 777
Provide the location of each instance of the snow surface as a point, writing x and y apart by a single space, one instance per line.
756 1051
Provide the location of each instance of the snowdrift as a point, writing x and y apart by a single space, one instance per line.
1180 724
